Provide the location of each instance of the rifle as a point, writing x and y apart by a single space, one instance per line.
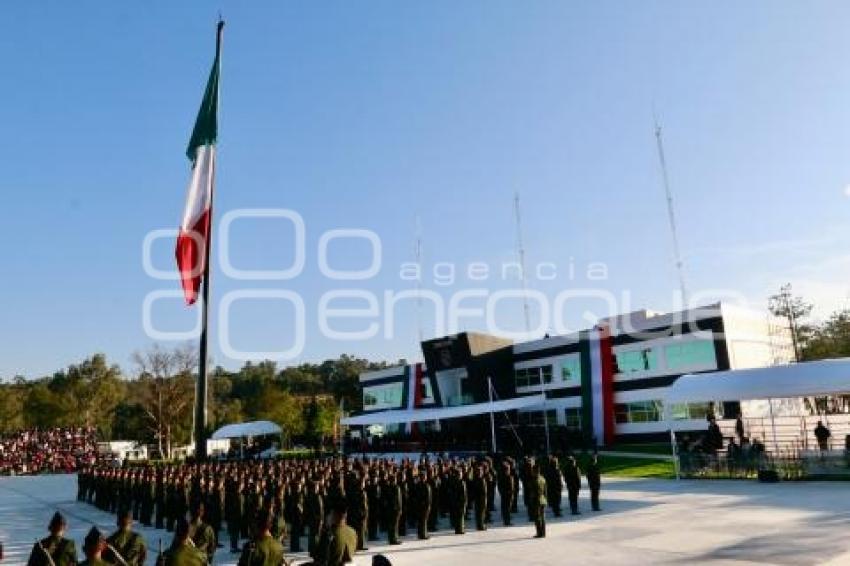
117 554
47 554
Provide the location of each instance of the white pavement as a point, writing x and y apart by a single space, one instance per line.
643 522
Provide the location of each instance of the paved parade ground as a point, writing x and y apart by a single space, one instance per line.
642 522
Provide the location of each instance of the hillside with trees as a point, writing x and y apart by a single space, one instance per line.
152 403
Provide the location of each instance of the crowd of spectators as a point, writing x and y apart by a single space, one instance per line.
51 451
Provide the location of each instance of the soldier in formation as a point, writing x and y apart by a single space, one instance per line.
93 548
55 549
125 546
227 499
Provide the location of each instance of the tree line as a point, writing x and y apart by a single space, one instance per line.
154 403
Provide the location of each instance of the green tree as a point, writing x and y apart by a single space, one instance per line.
11 407
43 408
93 389
280 407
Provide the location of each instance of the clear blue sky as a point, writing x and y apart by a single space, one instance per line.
365 115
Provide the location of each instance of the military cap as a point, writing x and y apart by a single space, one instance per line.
57 522
94 538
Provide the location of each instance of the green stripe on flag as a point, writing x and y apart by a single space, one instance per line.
205 131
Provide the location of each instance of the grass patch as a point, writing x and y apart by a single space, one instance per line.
623 467
662 448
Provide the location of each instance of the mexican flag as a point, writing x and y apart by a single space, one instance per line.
193 238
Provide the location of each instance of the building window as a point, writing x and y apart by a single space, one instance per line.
533 377
691 354
571 369
573 418
693 411
383 396
638 412
637 360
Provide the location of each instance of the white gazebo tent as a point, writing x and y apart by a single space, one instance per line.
806 379
246 430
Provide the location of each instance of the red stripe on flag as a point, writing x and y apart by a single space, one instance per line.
191 256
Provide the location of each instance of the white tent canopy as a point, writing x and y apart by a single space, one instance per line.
807 379
241 430
439 413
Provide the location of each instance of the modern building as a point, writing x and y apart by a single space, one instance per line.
604 384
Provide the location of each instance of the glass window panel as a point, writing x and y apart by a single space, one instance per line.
571 369
637 360
695 353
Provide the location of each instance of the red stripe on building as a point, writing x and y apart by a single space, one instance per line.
606 352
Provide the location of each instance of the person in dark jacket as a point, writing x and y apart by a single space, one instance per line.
822 435
594 481
573 480
506 492
554 485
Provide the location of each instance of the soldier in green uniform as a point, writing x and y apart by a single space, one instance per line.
435 487
573 478
490 476
422 496
457 502
263 549
373 492
233 503
275 511
93 547
338 542
554 485
200 533
506 492
82 483
148 498
182 552
159 500
358 510
215 507
314 514
54 550
479 497
128 545
538 501
392 507
295 512
170 502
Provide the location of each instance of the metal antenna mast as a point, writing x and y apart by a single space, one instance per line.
417 252
521 255
671 215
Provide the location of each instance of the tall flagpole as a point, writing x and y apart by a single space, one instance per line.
201 386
